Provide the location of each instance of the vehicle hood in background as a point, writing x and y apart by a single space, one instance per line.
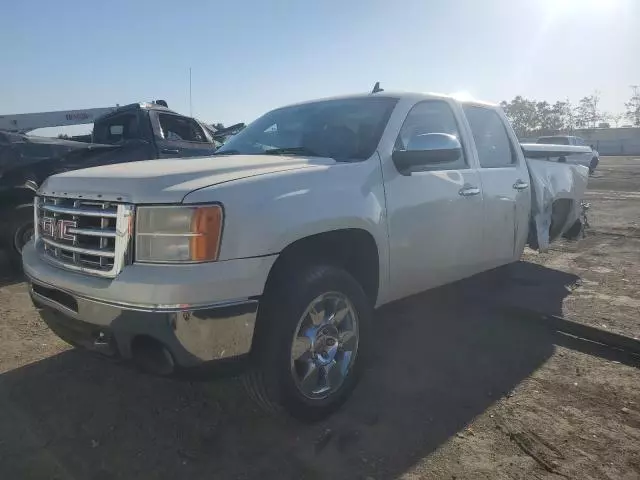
168 181
550 182
19 152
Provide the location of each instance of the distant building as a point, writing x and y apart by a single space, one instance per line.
607 141
612 141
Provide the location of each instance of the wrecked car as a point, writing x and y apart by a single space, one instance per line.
139 131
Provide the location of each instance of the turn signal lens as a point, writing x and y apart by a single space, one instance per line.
206 225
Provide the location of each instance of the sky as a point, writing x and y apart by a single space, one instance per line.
249 56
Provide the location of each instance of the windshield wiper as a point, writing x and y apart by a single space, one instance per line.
292 151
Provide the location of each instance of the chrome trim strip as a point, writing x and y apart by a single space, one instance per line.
94 232
149 308
87 212
84 251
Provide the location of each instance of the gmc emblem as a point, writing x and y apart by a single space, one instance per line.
58 229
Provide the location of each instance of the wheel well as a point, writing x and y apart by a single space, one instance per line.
355 250
559 213
17 196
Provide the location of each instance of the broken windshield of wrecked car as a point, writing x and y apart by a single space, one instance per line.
342 129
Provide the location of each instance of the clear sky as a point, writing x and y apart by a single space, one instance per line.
248 56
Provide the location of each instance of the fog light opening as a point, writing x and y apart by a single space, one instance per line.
152 356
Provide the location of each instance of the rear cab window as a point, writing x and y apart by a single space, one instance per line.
117 129
553 140
495 148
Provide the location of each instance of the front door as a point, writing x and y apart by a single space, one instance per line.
505 185
434 213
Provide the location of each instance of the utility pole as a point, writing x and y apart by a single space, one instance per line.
190 97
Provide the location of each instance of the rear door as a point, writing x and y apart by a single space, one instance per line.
505 184
434 212
180 136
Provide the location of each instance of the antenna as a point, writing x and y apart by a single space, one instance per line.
376 88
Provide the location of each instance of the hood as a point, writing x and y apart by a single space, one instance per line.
168 181
18 150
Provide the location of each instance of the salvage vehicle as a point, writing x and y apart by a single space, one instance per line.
582 154
139 131
277 252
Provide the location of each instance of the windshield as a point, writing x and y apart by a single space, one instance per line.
347 129
554 140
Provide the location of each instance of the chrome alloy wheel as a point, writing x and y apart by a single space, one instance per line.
324 345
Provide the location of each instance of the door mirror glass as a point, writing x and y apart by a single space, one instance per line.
427 149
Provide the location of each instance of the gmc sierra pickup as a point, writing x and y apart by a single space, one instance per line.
277 251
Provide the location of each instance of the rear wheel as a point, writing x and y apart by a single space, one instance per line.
19 231
311 343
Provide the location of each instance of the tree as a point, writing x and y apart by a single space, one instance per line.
522 114
587 113
633 106
551 119
616 118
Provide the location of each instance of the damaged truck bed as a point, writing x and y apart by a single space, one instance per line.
556 200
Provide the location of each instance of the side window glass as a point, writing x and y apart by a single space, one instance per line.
431 116
490 135
178 128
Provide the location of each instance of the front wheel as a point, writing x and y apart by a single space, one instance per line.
19 231
311 343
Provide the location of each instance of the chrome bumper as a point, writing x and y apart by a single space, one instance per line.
192 336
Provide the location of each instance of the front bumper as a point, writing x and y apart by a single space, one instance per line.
192 337
195 314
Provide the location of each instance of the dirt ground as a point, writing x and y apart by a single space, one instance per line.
458 389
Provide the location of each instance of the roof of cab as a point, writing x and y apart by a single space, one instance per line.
138 106
399 95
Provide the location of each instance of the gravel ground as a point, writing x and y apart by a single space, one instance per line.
458 388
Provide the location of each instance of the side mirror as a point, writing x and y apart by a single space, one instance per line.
427 149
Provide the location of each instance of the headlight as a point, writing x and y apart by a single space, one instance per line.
178 234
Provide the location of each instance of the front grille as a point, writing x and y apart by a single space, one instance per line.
84 235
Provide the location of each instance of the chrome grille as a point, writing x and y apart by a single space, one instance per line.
84 235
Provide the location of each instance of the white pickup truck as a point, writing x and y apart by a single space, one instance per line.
565 149
277 248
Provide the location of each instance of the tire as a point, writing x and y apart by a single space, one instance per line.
274 380
19 231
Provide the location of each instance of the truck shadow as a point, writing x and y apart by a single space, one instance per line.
9 276
441 359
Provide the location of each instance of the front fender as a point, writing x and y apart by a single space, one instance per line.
264 214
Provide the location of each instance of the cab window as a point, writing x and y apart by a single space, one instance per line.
493 145
431 116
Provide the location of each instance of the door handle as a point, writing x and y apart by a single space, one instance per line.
172 151
469 191
520 185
